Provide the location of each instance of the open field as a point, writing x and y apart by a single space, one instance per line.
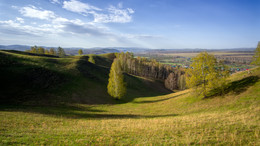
214 53
191 54
234 59
175 119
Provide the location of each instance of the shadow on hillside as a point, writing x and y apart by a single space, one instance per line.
236 87
25 82
98 76
74 112
164 99
51 81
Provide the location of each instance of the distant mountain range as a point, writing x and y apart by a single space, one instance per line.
100 50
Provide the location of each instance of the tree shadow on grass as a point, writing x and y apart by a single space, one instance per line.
236 87
76 112
153 101
136 86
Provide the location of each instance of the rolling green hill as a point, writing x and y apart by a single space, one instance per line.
41 79
174 119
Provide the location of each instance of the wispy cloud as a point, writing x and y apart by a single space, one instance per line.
16 27
79 7
111 14
20 20
84 29
33 12
115 15
55 1
54 24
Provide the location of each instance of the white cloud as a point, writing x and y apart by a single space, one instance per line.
33 12
119 15
111 14
115 15
55 1
55 25
10 23
79 7
20 20
58 26
16 28
76 30
131 11
59 20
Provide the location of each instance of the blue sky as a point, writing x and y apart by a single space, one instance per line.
156 24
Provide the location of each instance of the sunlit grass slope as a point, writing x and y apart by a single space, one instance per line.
41 79
174 119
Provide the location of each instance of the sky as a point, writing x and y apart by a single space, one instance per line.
155 24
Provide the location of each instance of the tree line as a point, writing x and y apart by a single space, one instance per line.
141 66
52 51
144 67
205 74
173 78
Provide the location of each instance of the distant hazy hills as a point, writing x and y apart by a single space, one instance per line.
74 50
99 50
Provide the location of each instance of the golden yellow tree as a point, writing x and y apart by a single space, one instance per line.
52 51
41 50
206 74
46 51
34 49
80 52
91 59
116 86
256 57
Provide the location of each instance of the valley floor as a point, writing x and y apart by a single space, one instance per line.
175 119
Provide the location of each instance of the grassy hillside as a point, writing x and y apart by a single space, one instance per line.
174 119
41 79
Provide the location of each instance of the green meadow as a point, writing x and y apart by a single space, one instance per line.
63 101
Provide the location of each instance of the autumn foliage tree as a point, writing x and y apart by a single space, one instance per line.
34 49
41 50
206 74
175 80
91 59
80 52
52 51
116 86
171 81
47 52
61 52
256 57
